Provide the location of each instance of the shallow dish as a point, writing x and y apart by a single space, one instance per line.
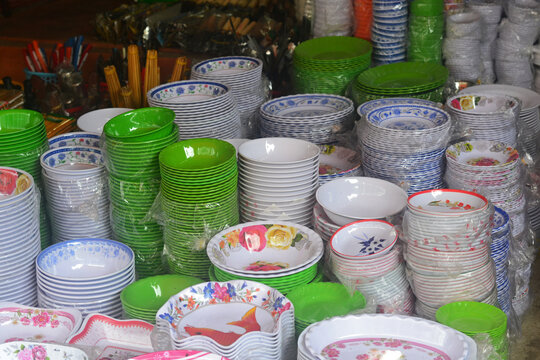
18 350
364 239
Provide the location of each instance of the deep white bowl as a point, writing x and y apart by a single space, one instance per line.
279 151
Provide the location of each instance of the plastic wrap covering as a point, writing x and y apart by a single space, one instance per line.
426 27
489 348
389 31
363 16
337 162
522 256
332 18
525 12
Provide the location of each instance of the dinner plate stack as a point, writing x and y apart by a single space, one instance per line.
86 274
492 169
282 255
19 224
202 108
320 119
326 65
322 223
236 319
451 261
199 199
277 179
371 336
363 257
243 75
338 161
486 117
23 139
500 249
404 144
76 188
388 31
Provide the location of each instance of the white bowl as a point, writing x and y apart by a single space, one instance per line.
280 151
94 121
345 200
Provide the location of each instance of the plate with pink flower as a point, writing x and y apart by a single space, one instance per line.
25 350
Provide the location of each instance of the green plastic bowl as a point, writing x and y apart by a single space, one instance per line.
471 317
146 124
427 8
197 154
16 123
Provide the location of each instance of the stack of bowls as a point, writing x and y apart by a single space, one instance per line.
321 119
75 139
199 199
202 108
143 298
500 251
327 65
277 179
363 257
19 225
338 161
282 254
132 144
243 75
23 139
94 121
426 28
474 318
363 13
76 188
388 31
332 18
86 274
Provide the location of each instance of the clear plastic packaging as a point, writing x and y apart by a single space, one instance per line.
332 18
425 38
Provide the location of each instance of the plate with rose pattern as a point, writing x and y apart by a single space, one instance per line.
22 350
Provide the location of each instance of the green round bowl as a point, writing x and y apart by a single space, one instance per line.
140 125
18 123
197 154
471 317
427 7
115 146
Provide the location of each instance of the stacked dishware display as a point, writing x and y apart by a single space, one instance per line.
451 261
20 227
23 139
277 179
388 31
199 199
86 274
263 321
426 28
322 223
363 257
332 18
485 116
282 255
338 161
404 79
320 119
500 249
76 189
368 335
461 46
243 75
363 15
132 142
202 108
327 65
404 144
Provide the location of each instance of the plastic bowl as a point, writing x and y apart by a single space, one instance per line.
279 151
471 317
17 122
140 125
94 121
197 154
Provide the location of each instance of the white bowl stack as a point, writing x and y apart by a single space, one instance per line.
277 179
450 261
76 189
86 274
19 225
202 108
243 75
500 249
332 18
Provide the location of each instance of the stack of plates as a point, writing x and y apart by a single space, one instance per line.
77 193
199 199
404 144
277 179
388 31
363 257
23 139
321 119
449 262
417 80
202 108
486 117
368 106
326 65
19 224
492 169
86 274
373 336
338 161
201 316
243 75
282 255
322 223
500 250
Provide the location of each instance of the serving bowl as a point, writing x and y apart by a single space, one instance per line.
140 125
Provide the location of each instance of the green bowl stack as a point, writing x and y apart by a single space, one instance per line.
405 79
426 28
199 180
473 318
132 144
23 138
326 65
143 298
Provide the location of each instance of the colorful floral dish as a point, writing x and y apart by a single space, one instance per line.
478 153
180 354
529 98
112 338
264 247
225 66
15 185
22 350
74 139
366 107
72 160
446 202
187 91
337 161
483 104
364 239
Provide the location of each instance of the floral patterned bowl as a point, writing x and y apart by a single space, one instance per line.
22 350
74 139
72 161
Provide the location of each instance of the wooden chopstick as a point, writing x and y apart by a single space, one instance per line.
134 74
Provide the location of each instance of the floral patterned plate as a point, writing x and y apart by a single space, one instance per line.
72 160
364 239
262 247
489 155
22 350
187 91
228 66
337 161
23 323
446 202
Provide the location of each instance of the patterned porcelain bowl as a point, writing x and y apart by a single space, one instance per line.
74 139
72 161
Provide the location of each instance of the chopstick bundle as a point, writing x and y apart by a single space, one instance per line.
113 84
151 73
134 75
179 69
127 97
